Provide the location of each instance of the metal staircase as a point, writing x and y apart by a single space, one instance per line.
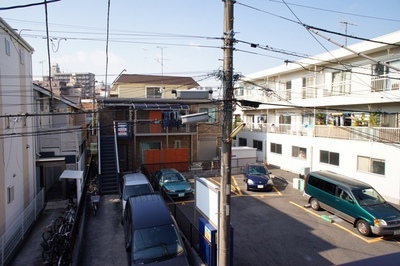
109 175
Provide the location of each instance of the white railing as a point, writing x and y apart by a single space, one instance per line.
67 140
377 134
17 232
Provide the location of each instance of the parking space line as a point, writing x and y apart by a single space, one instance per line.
233 188
236 186
338 225
237 191
277 191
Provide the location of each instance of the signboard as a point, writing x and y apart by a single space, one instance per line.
207 199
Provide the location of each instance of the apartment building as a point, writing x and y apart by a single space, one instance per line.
143 125
80 85
336 111
61 142
17 167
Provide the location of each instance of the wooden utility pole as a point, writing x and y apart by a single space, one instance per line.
226 149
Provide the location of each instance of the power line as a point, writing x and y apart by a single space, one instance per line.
29 5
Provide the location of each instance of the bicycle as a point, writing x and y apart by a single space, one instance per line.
53 248
94 200
52 228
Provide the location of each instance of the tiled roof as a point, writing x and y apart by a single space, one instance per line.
157 80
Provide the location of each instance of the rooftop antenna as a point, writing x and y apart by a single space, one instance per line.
346 24
145 59
162 65
162 58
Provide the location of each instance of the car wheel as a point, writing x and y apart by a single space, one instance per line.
363 228
314 204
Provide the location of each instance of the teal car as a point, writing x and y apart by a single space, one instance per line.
173 183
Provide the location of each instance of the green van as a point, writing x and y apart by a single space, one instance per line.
353 201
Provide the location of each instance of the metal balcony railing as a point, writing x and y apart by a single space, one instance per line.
157 129
376 134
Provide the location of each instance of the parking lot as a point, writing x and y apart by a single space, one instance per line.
270 228
275 228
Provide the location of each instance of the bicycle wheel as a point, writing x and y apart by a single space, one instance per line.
94 209
46 235
48 257
57 224
64 260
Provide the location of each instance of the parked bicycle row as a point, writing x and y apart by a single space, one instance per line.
56 238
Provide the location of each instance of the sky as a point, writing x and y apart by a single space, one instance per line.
184 37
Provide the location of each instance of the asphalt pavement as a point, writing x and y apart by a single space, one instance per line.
103 234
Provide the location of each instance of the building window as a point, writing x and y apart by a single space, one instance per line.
309 90
239 91
177 144
379 79
257 144
242 142
7 46
276 148
285 119
153 92
341 83
212 116
288 90
372 165
22 57
10 194
299 152
329 157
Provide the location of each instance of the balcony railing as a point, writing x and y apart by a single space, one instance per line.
159 128
376 134
61 140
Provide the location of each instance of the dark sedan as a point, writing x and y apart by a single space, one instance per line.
257 177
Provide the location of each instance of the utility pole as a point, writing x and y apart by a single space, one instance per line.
226 149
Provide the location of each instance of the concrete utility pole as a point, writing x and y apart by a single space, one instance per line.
226 149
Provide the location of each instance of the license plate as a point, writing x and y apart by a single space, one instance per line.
181 194
396 232
260 186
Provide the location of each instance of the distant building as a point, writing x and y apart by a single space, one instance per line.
85 82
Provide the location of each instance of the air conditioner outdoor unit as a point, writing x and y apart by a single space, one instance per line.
194 118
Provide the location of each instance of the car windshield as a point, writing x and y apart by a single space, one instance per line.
156 244
173 177
134 190
257 170
368 197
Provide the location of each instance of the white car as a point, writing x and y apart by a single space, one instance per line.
133 185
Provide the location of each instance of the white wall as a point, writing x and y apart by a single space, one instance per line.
388 185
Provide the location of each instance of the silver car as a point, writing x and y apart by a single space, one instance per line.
133 185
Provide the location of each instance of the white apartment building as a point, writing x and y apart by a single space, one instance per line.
17 149
336 111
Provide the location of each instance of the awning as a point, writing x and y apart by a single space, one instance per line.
159 106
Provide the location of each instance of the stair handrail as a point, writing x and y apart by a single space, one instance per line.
116 148
98 148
